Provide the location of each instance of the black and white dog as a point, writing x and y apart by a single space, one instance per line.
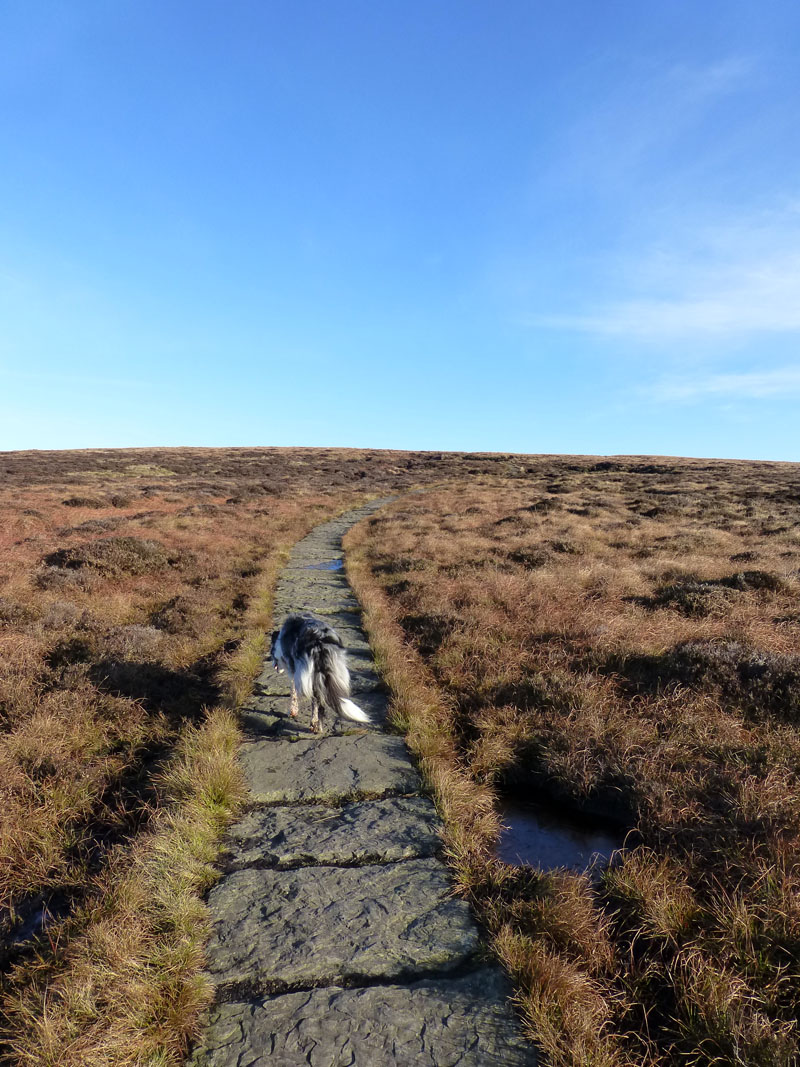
314 656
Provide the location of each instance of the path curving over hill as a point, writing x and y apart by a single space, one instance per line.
337 939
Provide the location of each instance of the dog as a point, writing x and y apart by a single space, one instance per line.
313 655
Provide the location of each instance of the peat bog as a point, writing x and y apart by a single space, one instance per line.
620 638
542 835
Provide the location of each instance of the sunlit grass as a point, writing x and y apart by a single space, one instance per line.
623 642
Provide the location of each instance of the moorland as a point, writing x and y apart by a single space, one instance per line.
615 635
622 639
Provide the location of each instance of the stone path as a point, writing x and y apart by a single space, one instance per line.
337 939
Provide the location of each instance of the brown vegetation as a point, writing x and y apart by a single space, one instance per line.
619 637
135 589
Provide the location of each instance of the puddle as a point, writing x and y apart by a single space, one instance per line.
533 834
33 925
328 565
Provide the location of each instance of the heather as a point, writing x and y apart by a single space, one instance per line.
618 638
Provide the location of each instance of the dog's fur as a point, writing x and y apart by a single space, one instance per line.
312 654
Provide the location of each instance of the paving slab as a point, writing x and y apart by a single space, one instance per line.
326 925
372 831
331 769
459 1022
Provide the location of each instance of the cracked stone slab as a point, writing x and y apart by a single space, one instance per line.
371 831
460 1022
255 722
270 716
331 769
328 925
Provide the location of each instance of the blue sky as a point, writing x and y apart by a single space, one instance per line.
515 226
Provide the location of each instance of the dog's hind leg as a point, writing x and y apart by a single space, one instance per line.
294 707
317 701
316 712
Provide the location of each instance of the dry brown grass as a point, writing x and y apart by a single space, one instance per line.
135 589
604 636
122 982
619 637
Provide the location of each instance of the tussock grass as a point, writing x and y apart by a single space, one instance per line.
122 661
122 981
626 648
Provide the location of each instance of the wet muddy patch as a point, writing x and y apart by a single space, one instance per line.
538 836
327 565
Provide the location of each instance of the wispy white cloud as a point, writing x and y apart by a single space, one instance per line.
10 375
721 301
691 252
733 280
747 385
644 122
703 82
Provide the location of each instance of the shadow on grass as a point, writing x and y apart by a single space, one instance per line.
757 683
180 695
129 798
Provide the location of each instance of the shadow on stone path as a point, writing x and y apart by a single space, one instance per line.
337 939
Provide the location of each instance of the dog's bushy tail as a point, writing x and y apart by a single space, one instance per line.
333 679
